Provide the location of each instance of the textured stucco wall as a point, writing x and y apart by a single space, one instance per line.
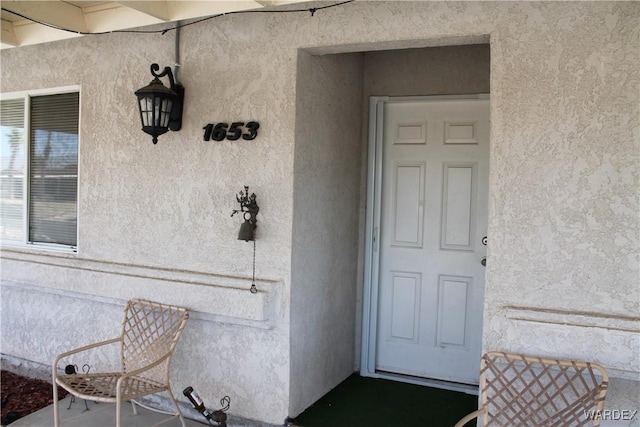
563 230
325 224
562 278
445 70
155 220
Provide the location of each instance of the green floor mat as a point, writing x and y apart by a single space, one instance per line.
372 402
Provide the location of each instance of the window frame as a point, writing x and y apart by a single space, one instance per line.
26 95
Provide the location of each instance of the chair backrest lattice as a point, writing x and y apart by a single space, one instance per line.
520 390
150 331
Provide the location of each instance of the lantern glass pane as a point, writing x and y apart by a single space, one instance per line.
166 112
156 111
145 111
149 112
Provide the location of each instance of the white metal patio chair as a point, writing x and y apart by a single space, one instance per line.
150 332
527 391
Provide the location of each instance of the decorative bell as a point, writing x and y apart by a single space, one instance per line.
246 231
249 209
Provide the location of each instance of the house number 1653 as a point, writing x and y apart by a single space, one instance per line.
237 130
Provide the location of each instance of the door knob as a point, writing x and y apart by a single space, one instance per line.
483 261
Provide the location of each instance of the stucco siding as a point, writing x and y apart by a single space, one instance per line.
445 70
325 231
564 185
154 221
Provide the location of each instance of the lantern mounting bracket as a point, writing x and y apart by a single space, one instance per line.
165 72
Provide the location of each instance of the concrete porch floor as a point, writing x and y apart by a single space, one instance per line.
99 415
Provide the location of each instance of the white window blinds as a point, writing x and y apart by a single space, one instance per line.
13 141
53 169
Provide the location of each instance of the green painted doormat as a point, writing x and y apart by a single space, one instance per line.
371 402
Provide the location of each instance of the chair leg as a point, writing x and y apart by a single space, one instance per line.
118 403
178 412
56 409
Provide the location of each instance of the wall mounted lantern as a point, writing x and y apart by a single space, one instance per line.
160 107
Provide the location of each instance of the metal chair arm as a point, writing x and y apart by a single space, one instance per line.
79 350
471 416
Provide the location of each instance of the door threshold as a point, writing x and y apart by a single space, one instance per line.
428 382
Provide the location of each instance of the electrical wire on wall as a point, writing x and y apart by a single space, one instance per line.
311 10
176 65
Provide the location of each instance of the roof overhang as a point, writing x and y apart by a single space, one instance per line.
23 21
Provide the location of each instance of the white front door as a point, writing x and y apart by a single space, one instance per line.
433 218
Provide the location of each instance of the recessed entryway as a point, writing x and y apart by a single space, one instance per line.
331 200
426 214
427 227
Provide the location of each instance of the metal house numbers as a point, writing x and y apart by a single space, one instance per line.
233 132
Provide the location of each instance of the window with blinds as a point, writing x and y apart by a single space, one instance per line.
12 173
45 168
53 169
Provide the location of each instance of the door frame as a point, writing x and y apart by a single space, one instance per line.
372 236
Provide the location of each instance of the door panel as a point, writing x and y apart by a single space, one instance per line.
458 206
405 308
452 311
433 217
408 191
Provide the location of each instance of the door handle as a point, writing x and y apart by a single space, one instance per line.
483 261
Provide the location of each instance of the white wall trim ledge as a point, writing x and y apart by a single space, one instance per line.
594 336
574 318
211 297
